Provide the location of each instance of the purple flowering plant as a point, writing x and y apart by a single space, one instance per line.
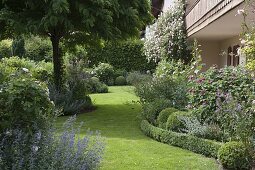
205 87
236 118
54 149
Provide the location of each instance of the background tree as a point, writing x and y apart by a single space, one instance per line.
18 47
75 21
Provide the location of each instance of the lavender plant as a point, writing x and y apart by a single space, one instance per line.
236 118
51 150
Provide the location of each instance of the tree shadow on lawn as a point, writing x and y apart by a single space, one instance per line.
113 121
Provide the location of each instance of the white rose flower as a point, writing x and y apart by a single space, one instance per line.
25 70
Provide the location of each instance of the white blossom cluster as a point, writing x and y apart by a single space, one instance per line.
167 37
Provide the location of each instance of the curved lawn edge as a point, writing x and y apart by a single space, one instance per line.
205 147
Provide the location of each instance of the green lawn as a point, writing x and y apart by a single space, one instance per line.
126 146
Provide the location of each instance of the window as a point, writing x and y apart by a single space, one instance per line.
233 59
236 57
229 59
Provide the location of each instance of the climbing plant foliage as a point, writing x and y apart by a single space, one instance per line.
167 37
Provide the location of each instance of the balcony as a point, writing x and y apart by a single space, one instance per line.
203 12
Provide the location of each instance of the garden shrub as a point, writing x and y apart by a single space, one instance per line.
105 72
101 88
24 104
18 63
174 122
77 54
73 99
248 39
95 86
127 55
236 118
163 116
234 155
151 110
173 90
5 48
78 87
60 149
95 79
120 72
120 81
206 88
135 78
18 46
208 131
198 145
38 48
42 70
175 70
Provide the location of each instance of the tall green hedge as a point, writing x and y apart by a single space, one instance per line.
126 55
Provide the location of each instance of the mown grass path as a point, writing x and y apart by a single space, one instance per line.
127 148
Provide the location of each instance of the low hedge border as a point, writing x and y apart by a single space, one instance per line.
205 147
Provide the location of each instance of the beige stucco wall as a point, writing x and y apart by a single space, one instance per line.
215 52
224 48
210 51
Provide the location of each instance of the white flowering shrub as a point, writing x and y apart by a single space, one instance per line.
166 39
248 34
24 103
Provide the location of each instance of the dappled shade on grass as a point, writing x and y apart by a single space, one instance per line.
126 146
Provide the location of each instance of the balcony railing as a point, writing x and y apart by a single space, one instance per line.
201 10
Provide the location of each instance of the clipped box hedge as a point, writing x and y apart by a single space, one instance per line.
198 145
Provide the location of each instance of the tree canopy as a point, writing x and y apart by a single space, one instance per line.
74 21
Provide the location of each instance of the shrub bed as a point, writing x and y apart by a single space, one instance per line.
105 73
120 81
198 145
163 116
209 86
173 123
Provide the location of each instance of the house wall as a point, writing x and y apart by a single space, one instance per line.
224 45
215 52
210 51
167 4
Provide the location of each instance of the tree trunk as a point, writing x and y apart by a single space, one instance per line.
57 62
